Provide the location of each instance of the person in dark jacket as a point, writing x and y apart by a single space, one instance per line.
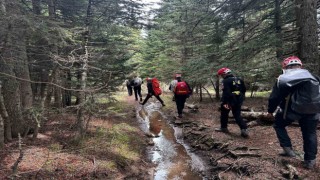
182 91
129 87
233 94
151 93
136 83
286 115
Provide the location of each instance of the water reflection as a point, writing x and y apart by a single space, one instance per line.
173 159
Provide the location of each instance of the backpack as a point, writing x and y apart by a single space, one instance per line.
236 86
181 88
137 82
305 98
156 87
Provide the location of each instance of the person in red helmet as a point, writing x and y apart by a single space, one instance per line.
293 80
233 93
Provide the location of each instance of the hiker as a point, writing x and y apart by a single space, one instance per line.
129 87
153 90
173 84
136 83
182 91
282 96
233 93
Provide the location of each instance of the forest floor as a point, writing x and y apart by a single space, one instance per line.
232 157
115 147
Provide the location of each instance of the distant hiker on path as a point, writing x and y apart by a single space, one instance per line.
173 84
295 86
129 87
233 93
153 90
136 83
182 91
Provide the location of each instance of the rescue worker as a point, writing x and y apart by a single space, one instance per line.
286 115
182 91
233 93
136 83
151 93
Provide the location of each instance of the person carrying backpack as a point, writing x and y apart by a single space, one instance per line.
136 83
129 87
288 93
182 91
173 84
153 87
233 93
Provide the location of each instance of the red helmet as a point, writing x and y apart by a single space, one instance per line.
148 79
223 71
178 75
292 60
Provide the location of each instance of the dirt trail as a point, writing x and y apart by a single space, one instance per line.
230 156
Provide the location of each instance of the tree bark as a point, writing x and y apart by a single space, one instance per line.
2 129
11 89
277 24
2 8
306 13
51 8
36 7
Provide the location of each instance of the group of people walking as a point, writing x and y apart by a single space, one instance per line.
284 100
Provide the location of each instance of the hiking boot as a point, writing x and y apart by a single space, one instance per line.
309 164
287 151
224 130
141 103
180 116
244 133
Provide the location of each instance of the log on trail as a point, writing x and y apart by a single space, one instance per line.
193 108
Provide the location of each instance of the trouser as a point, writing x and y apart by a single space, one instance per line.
149 96
236 111
129 88
309 134
180 101
137 92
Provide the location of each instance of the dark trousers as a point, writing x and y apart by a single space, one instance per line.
309 134
180 101
137 91
129 88
149 96
236 111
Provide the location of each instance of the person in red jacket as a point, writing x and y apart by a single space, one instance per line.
181 91
151 93
233 94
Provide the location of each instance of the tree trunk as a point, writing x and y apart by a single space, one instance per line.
36 7
51 8
2 129
5 117
277 24
217 88
306 11
85 60
11 90
2 8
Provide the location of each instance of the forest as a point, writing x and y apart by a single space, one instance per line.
68 56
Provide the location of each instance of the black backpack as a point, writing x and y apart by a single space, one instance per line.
305 98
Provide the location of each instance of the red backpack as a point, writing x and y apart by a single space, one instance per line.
156 87
182 88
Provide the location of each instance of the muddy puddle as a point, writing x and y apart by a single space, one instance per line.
172 156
